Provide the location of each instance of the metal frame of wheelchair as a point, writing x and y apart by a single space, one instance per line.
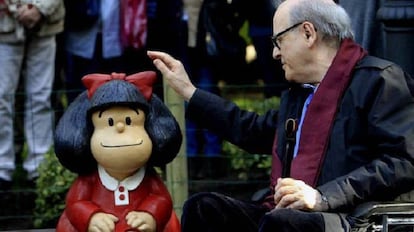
395 216
384 217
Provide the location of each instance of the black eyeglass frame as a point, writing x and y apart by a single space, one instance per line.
274 38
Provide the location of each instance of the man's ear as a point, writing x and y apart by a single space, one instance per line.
310 32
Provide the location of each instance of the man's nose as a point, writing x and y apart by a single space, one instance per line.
276 53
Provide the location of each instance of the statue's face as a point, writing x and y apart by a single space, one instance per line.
120 143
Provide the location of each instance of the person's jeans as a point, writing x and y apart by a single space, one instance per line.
35 62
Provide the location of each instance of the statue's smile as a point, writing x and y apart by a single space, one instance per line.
127 145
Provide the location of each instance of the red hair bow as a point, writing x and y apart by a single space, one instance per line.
142 80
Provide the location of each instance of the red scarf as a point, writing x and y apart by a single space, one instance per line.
320 115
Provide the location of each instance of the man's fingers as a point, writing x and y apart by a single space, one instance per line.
162 61
165 58
283 191
161 66
286 200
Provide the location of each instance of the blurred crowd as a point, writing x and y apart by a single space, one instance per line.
49 45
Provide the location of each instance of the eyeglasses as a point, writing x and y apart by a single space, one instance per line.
275 38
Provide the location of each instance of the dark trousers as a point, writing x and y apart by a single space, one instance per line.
214 212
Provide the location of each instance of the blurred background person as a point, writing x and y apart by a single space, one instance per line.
220 22
368 30
27 48
260 16
92 41
165 32
103 36
204 148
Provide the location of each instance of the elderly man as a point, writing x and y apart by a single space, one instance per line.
354 115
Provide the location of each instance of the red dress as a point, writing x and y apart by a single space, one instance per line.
88 195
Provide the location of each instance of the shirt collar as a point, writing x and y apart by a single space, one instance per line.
131 182
314 87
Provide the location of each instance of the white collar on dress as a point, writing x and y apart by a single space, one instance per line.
130 183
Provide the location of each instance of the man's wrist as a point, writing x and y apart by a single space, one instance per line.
324 202
189 94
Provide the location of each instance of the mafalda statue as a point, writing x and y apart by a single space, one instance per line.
112 136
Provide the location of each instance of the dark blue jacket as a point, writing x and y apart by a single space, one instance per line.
370 155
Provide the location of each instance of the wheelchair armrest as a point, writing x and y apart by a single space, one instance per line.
402 205
369 209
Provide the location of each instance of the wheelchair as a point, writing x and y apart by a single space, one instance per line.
394 216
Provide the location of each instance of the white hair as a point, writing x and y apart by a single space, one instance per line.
330 19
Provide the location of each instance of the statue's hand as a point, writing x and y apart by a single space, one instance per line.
142 221
102 222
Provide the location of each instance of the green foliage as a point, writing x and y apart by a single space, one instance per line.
52 185
247 165
257 105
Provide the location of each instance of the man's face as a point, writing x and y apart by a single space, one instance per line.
291 51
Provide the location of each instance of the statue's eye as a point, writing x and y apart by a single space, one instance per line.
128 121
110 121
